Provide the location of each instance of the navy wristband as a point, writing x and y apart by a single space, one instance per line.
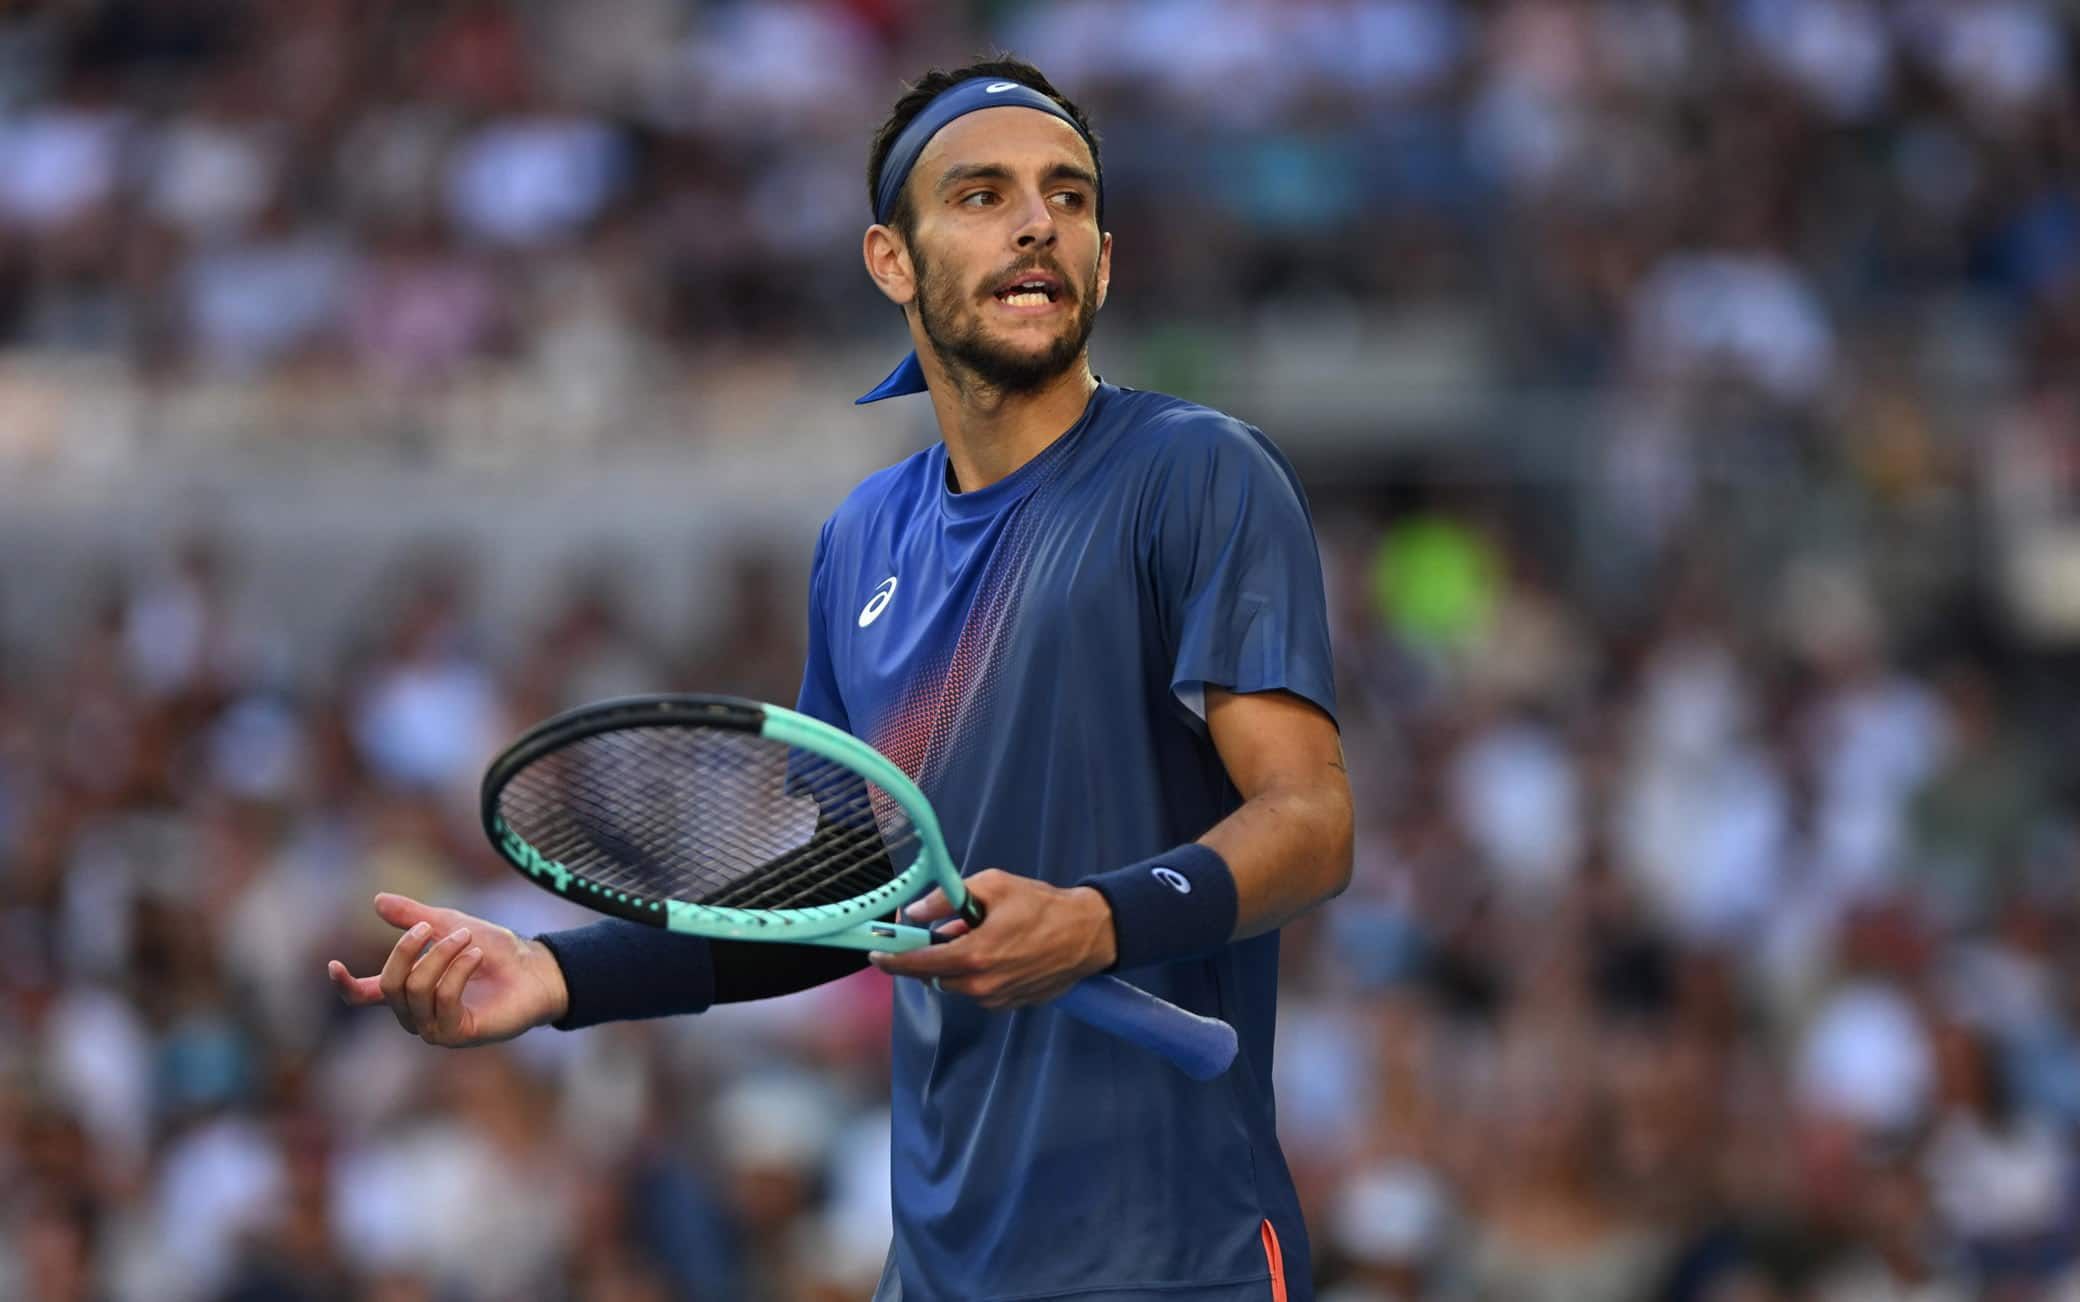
1180 904
617 971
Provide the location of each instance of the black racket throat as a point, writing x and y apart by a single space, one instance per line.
971 913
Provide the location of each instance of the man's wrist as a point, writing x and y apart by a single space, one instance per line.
550 972
616 971
1102 945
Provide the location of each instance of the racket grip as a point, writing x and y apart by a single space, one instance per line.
1200 1047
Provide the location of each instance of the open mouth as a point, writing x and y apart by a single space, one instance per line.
1035 290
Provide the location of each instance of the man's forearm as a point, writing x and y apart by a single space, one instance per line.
1284 851
1289 849
623 971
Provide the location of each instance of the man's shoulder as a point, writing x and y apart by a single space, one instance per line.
1171 436
897 487
1164 421
1169 430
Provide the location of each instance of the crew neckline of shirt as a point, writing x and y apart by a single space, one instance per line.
979 502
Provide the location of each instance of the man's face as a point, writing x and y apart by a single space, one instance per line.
1010 265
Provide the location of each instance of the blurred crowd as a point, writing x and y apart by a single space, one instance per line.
1722 954
1715 934
1705 958
1807 202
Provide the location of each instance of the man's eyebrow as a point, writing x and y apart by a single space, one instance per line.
961 172
1071 172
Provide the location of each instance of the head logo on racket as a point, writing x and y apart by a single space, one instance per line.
877 603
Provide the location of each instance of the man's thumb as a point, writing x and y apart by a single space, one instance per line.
401 910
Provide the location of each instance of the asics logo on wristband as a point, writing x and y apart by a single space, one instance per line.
1172 878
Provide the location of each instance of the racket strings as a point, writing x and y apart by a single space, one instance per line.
610 821
708 816
667 848
844 866
672 816
714 856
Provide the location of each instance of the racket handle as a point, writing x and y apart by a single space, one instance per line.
1200 1047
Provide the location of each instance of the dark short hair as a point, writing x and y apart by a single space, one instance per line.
927 88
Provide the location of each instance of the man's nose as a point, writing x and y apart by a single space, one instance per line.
1038 229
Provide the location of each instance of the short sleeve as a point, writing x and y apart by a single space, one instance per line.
819 697
1238 574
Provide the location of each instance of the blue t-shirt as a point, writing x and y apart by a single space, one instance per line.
1035 654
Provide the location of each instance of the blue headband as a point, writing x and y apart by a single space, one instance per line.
955 101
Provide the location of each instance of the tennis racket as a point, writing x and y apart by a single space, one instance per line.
734 820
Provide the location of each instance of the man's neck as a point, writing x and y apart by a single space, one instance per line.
990 434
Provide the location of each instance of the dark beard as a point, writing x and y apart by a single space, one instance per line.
971 358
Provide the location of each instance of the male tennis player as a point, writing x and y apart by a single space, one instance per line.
1091 624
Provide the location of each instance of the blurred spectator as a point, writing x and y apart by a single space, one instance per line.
427 713
1392 1226
267 295
527 182
63 157
425 309
2000 1176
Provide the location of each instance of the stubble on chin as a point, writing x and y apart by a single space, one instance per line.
974 361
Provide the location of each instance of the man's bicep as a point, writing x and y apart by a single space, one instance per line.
1273 739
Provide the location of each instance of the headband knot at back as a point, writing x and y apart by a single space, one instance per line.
958 100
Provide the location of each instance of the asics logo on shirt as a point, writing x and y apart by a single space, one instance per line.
1172 878
878 602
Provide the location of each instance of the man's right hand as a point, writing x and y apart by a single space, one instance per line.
455 980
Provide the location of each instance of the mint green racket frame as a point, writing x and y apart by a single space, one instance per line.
1201 1046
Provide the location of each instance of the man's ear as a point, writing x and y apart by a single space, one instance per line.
888 262
1104 266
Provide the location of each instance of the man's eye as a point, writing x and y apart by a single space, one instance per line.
1070 198
979 199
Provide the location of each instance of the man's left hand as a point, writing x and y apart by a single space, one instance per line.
1035 941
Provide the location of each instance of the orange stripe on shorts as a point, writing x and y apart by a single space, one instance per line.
1278 1263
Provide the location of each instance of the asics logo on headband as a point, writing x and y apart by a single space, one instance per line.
998 87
